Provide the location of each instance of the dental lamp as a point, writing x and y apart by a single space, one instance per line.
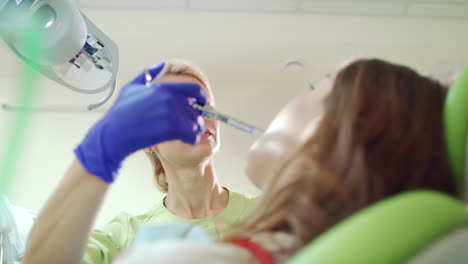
74 52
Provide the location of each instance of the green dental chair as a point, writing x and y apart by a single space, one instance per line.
414 227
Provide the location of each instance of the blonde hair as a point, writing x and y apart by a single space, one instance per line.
176 67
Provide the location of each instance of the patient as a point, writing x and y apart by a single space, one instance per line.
377 132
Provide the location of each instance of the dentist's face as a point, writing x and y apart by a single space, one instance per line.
176 151
291 127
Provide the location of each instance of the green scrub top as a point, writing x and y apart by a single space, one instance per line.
105 244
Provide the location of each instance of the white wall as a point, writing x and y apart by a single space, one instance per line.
242 54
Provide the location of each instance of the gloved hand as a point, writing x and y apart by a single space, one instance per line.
142 116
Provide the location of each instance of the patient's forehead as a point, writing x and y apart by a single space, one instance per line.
291 127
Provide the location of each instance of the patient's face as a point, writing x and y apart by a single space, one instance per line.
294 124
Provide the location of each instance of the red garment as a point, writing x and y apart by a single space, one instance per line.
263 256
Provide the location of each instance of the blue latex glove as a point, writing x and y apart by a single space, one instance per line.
142 116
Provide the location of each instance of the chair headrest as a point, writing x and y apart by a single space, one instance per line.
456 131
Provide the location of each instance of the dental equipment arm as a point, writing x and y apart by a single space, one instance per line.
73 51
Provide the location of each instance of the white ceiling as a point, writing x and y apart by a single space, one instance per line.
404 8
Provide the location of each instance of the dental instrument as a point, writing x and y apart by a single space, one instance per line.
211 113
72 50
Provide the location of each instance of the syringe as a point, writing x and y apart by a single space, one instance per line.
211 113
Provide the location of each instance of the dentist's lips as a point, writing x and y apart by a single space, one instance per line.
207 134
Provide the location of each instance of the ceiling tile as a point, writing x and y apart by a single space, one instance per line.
438 10
440 1
426 8
354 7
134 3
245 5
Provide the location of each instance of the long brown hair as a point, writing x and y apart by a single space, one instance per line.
381 134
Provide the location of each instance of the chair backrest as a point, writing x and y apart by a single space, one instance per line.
390 231
456 131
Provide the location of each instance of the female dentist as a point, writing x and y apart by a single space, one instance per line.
160 120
